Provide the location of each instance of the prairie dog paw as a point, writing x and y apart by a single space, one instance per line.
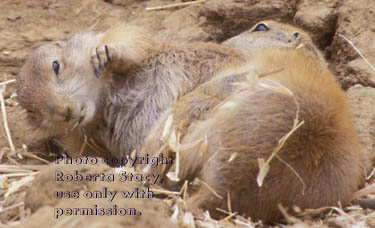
101 58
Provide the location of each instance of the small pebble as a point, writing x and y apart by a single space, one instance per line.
6 52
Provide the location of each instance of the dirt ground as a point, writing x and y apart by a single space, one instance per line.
28 24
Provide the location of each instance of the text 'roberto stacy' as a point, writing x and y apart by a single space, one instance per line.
122 176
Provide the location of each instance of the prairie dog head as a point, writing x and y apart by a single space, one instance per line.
57 84
272 34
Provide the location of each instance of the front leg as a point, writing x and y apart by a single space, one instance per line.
121 48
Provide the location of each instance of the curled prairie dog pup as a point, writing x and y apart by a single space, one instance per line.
223 137
112 86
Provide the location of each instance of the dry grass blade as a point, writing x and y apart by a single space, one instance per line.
167 128
204 147
263 171
226 219
173 175
231 215
264 166
289 219
371 174
364 192
188 220
243 224
209 188
314 212
13 169
7 82
295 172
20 204
33 167
342 213
184 191
276 87
232 157
300 46
16 185
5 120
223 211
178 155
83 147
174 5
31 155
358 51
2 152
187 146
174 216
229 203
166 192
265 74
16 175
94 146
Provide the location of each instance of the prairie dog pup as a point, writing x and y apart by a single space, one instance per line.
112 86
222 137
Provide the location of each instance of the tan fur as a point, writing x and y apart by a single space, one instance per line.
242 122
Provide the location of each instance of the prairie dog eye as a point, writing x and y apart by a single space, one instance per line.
56 67
261 27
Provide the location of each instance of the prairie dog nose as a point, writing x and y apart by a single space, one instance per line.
65 114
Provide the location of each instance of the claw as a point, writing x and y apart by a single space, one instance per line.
109 55
97 72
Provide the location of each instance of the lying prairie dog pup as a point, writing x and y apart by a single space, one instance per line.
227 124
112 86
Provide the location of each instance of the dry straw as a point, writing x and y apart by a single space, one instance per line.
358 51
4 115
264 165
173 5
